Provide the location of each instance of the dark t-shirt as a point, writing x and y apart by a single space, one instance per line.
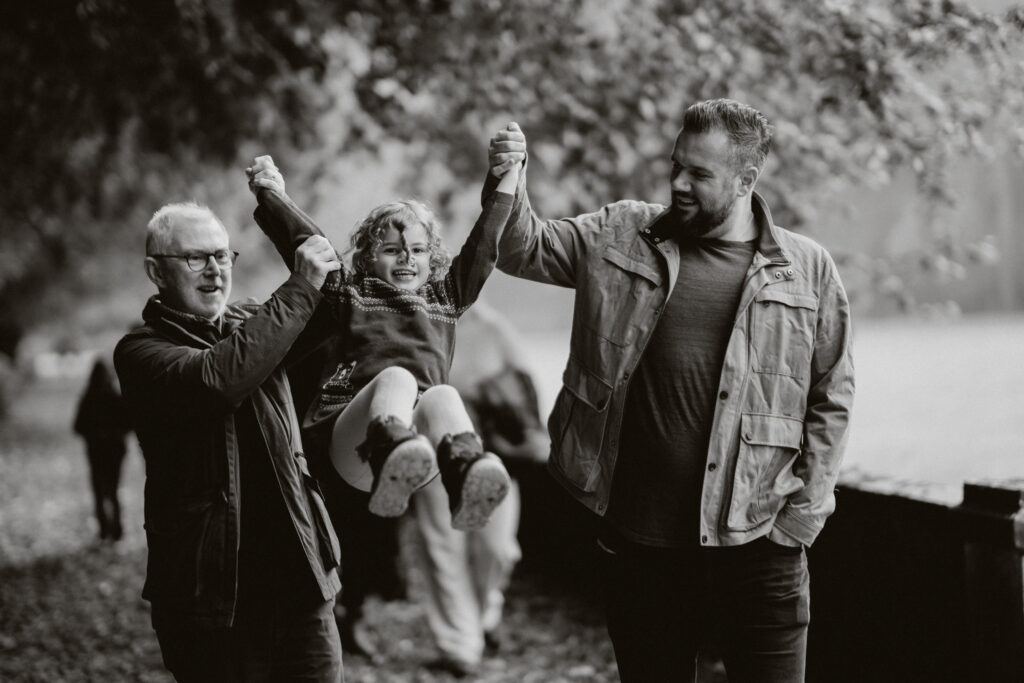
666 427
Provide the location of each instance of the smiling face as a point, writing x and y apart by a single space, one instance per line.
403 258
705 185
204 293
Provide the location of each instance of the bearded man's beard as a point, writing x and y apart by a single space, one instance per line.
701 222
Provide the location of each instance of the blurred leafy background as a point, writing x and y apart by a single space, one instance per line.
899 132
113 107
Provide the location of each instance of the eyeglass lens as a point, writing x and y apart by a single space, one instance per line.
222 257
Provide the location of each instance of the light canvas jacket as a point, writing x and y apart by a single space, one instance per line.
786 389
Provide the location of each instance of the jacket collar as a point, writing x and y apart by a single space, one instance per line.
767 240
202 331
662 227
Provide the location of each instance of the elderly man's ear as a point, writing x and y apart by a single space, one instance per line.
154 272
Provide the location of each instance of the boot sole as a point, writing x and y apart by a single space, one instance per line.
404 470
486 485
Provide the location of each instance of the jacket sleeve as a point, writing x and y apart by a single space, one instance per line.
167 374
475 261
288 227
535 249
826 422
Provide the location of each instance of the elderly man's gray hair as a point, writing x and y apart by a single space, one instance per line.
158 230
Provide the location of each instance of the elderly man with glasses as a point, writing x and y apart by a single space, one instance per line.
242 568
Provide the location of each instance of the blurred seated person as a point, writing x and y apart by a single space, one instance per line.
369 542
469 571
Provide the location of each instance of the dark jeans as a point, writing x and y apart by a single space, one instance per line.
749 604
269 642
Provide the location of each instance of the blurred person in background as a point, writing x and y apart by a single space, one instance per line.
369 543
705 404
102 422
466 572
242 566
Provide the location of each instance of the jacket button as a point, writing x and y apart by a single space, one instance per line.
703 539
748 436
724 395
712 467
778 274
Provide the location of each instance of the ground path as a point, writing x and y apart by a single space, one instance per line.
70 607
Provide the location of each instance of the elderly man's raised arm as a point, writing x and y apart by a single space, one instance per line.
222 374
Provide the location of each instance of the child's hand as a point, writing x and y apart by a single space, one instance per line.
263 173
507 149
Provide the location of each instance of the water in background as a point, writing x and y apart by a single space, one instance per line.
937 401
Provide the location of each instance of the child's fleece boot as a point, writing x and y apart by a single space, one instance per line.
400 459
476 482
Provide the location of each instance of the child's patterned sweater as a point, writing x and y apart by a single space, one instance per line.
378 325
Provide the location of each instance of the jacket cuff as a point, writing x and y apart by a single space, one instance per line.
263 191
796 527
491 183
297 290
781 537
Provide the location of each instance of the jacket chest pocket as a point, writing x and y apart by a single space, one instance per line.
623 287
782 326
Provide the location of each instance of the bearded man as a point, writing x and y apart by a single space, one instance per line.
705 404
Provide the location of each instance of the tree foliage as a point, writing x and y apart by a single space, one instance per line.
104 98
855 89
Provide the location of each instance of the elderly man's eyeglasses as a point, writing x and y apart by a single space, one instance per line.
197 260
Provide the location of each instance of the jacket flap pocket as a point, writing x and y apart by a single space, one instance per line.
586 386
173 521
632 265
771 430
787 298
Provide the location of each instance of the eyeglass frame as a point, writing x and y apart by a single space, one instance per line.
187 258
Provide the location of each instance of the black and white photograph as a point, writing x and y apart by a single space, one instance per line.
512 341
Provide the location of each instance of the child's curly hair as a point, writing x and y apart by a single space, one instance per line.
401 214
